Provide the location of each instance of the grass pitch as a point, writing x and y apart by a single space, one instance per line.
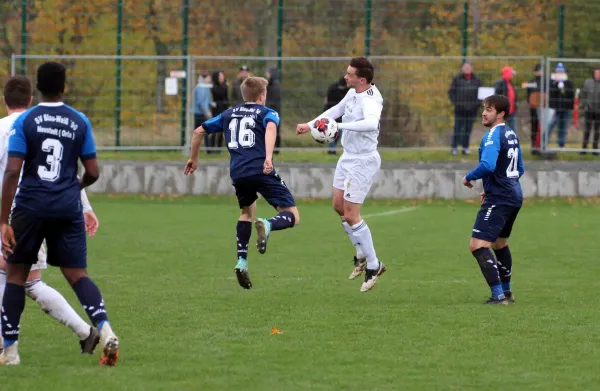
165 268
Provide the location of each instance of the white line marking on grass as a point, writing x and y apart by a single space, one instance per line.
391 212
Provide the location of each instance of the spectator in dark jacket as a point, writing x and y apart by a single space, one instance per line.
562 99
335 93
236 90
505 87
534 98
590 102
274 99
220 98
463 95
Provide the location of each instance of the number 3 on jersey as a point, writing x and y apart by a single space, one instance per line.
243 129
55 150
512 171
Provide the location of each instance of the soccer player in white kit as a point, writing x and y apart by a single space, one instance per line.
357 167
17 97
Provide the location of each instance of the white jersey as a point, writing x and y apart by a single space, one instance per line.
361 113
6 124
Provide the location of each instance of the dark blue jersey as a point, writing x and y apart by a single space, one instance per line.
51 137
244 127
500 167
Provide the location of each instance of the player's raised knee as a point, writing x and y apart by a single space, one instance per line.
296 214
476 244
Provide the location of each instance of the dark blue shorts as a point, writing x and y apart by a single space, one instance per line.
271 187
65 240
495 221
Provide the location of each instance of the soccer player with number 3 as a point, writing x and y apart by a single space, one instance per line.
46 142
500 167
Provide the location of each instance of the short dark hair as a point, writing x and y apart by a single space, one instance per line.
17 92
498 102
51 79
364 68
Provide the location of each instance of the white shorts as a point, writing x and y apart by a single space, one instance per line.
42 255
355 174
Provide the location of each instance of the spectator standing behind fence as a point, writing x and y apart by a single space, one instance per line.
534 98
505 87
562 99
274 100
220 96
463 95
335 93
202 100
236 91
590 102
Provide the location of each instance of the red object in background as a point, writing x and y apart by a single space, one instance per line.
576 111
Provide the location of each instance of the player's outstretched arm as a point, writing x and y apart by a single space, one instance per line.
213 125
490 149
370 123
9 188
335 112
192 163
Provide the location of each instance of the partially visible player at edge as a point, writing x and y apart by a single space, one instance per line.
500 167
46 142
361 110
17 98
250 132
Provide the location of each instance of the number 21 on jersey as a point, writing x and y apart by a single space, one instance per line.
512 171
242 130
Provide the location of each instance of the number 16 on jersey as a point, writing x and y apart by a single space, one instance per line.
242 129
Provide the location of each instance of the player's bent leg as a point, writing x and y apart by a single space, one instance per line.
243 233
276 193
13 304
504 260
362 238
55 305
489 268
91 299
287 217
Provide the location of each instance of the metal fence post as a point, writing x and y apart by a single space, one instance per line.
13 65
368 28
279 37
184 52
23 35
118 73
561 31
465 31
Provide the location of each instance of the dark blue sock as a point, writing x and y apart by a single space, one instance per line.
282 221
489 269
91 299
505 266
13 305
244 231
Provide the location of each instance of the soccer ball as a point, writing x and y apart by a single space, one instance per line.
324 129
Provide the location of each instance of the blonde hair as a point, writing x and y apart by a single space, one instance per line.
252 87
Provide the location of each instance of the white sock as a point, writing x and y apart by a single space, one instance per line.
348 229
361 236
55 305
2 286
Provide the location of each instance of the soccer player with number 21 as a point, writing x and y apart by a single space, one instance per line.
500 167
